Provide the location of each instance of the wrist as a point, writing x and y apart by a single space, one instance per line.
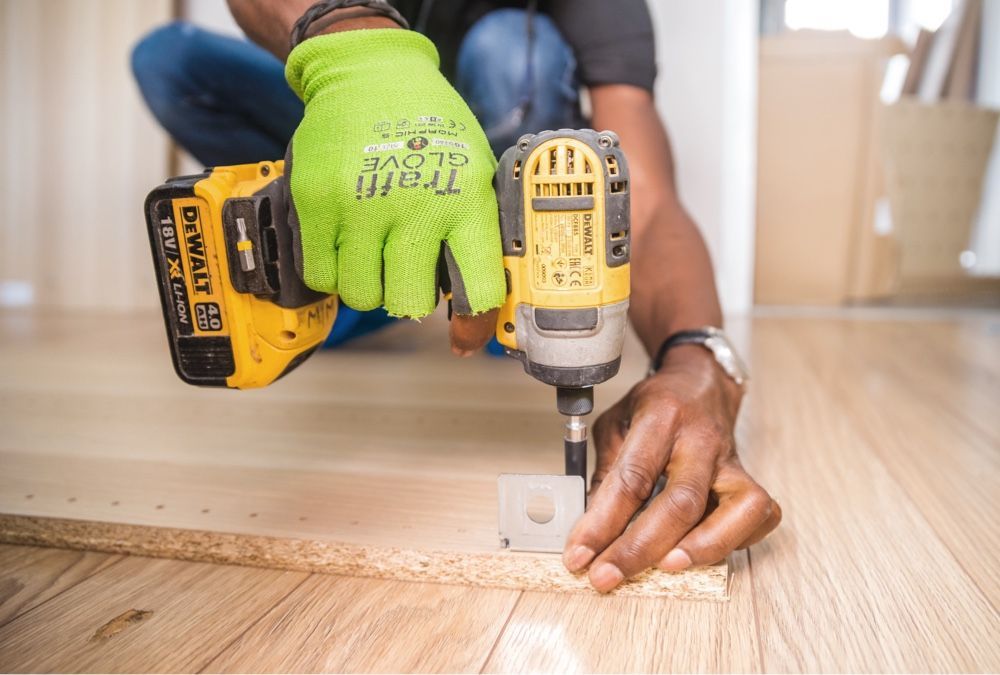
700 360
352 19
368 55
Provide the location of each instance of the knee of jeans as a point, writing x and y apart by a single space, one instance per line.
161 64
494 51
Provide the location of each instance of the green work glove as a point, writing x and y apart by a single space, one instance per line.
388 164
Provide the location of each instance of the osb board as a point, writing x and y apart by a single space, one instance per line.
377 460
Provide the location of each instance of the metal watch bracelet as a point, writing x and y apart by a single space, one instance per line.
715 341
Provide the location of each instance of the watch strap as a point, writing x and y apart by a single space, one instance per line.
681 337
320 9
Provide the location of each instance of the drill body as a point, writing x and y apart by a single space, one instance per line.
565 224
238 314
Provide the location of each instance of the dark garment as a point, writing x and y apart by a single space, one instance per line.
611 39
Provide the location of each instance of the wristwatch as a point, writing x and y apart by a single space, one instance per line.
712 339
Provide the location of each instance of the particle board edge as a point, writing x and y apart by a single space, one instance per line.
503 569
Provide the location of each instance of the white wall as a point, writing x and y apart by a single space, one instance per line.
211 14
986 235
707 94
78 153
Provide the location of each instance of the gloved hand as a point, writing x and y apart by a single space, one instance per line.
388 163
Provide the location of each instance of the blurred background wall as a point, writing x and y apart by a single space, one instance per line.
783 115
79 152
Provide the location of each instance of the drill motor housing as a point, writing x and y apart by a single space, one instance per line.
565 225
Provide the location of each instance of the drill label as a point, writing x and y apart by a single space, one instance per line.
202 267
176 283
564 251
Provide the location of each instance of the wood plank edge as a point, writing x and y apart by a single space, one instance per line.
503 569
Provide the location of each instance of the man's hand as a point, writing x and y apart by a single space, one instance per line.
388 164
390 170
678 423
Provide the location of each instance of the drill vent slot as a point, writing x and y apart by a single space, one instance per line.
577 189
517 169
550 161
612 163
619 186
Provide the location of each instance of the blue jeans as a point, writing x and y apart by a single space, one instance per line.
225 100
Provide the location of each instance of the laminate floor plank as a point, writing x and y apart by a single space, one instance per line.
572 634
344 624
855 579
877 436
922 413
143 615
31 575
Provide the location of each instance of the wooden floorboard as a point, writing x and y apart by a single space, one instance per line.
30 575
877 436
344 624
930 416
143 615
553 634
856 576
370 454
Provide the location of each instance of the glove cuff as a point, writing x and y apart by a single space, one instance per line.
326 59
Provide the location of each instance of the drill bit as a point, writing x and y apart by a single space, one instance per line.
244 246
575 446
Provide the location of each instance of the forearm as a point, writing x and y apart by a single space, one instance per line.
673 287
269 22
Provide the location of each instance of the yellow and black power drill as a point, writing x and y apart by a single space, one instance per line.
564 220
238 314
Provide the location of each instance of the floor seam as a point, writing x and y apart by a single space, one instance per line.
252 623
756 614
503 629
863 432
68 588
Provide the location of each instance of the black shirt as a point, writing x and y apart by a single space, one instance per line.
611 39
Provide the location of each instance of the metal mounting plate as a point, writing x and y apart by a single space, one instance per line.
518 530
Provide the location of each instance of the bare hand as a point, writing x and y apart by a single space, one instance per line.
470 333
677 423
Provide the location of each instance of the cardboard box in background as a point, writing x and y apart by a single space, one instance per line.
859 201
935 160
819 170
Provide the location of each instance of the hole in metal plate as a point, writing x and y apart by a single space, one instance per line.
541 508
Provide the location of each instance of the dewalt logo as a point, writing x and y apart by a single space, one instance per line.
194 246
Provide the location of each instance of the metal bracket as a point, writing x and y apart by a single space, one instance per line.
526 500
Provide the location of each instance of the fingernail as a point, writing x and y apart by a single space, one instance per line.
458 351
605 576
578 558
676 560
